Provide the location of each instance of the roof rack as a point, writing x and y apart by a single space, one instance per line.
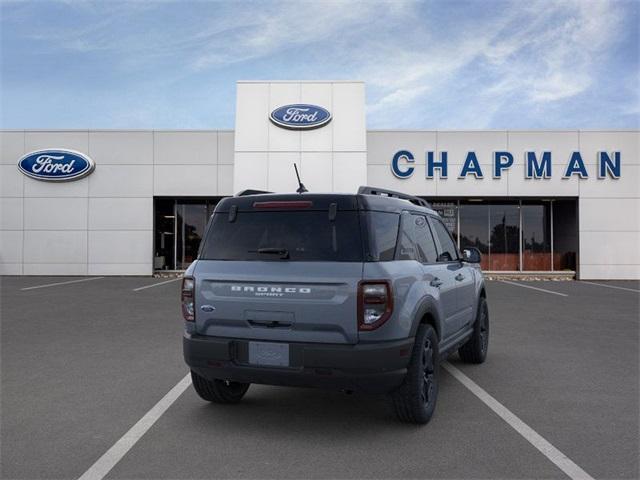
365 190
250 191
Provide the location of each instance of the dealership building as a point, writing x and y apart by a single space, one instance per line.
132 202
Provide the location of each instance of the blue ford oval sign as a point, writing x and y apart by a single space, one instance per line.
300 116
56 165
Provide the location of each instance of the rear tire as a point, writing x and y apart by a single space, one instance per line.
415 399
218 391
475 350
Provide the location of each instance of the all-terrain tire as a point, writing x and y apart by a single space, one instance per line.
218 391
475 350
415 399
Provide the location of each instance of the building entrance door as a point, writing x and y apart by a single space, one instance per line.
179 228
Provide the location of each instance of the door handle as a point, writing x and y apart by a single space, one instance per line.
459 277
436 282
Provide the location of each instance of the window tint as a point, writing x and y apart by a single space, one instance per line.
407 249
383 234
424 239
448 248
284 236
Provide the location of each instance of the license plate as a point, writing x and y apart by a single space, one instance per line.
271 354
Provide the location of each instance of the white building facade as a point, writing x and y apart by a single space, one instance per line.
529 200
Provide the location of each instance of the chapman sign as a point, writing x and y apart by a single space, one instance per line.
537 165
300 116
56 165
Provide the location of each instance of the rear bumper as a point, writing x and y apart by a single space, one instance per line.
371 367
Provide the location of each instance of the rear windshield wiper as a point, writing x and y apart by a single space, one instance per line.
283 252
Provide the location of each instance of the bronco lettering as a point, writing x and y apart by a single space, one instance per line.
269 289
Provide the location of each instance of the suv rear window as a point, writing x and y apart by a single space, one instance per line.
284 236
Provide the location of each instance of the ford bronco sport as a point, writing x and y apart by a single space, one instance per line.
363 292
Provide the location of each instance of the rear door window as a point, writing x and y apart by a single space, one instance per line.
448 251
424 239
407 249
284 236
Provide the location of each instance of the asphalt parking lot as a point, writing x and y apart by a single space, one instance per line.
82 362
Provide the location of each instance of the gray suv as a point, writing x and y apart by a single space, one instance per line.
363 292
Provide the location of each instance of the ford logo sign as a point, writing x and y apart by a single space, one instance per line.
300 116
56 165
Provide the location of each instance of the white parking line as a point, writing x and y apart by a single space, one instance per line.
563 462
534 288
118 450
156 284
61 283
111 457
611 286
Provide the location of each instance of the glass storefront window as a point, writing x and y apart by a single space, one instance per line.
474 229
504 224
494 229
191 220
536 236
549 238
179 228
565 234
165 239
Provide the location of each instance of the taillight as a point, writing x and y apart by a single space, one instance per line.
186 299
375 303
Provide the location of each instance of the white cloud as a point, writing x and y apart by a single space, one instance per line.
457 65
546 52
289 26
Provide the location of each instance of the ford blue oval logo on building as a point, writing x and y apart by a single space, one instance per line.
56 165
300 116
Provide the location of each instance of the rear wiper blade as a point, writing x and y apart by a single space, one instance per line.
283 252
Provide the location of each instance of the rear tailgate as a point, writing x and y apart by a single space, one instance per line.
290 301
282 268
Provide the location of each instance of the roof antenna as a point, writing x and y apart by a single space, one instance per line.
301 188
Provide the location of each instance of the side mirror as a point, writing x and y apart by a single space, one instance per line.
471 255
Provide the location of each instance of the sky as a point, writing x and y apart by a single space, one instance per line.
427 65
